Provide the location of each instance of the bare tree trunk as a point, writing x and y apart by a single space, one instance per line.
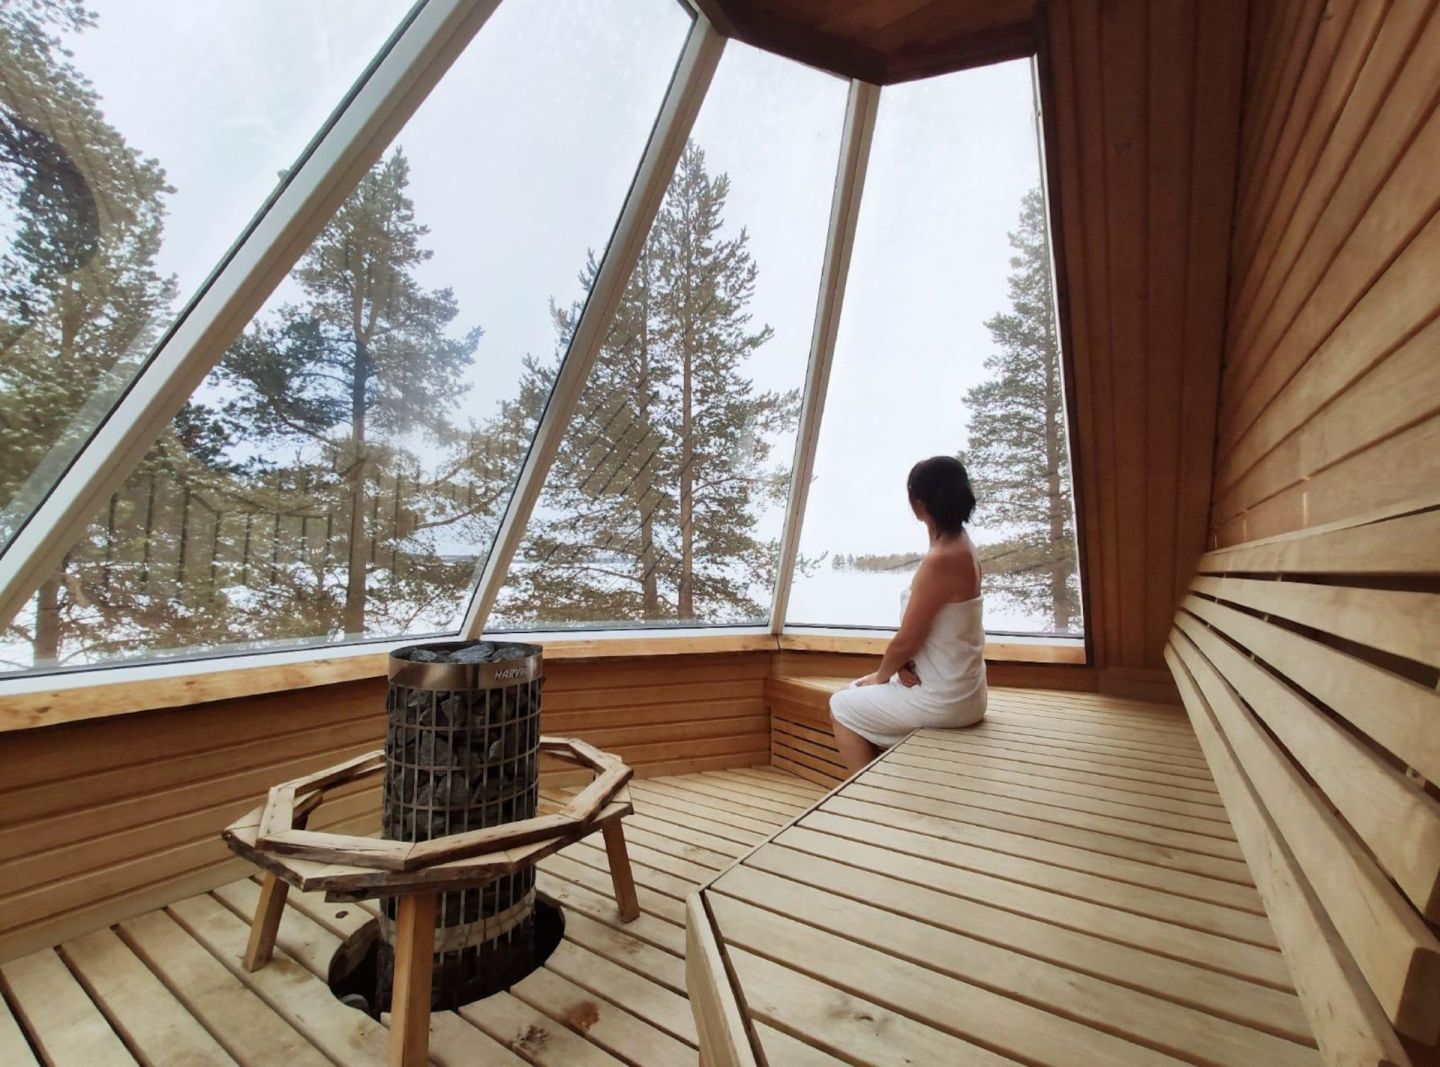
47 621
353 620
685 598
649 580
1061 565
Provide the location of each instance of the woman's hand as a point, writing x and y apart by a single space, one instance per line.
869 679
908 678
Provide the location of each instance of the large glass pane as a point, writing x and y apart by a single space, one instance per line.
947 345
665 504
340 473
136 141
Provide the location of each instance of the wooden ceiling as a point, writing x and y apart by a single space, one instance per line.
881 41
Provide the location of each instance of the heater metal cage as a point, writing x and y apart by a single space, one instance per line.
462 754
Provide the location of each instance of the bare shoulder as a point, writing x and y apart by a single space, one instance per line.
952 566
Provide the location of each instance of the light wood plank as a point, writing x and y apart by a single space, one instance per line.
1398 823
600 1020
1038 828
840 1023
624 950
138 1007
533 1035
1080 797
779 1047
1058 853
14 1048
1059 810
968 1011
633 991
719 1022
1027 870
1151 1020
1391 945
1207 950
572 888
249 1029
1394 711
865 877
67 1027
1406 624
1349 1024
286 985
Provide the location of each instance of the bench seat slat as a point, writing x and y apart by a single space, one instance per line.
1397 621
1350 1025
1393 948
1399 823
1397 713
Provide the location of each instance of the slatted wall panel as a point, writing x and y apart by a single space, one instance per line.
1331 386
1309 663
1307 652
1144 113
104 819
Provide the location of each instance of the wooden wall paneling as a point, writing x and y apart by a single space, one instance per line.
1169 141
1348 106
1321 295
1220 53
1334 419
1056 81
1348 293
105 818
1146 181
1343 34
1281 76
1386 111
1408 200
72 751
1080 120
1123 43
1408 545
1386 471
1400 303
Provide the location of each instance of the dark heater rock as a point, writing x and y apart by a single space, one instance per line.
482 652
462 754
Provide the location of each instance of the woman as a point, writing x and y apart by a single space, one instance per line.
933 670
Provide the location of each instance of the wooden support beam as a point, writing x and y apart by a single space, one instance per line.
414 965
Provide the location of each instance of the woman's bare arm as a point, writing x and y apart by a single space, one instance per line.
935 585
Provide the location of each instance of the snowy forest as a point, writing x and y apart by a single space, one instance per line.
329 478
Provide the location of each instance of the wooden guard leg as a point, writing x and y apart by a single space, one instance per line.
620 870
266 924
410 1000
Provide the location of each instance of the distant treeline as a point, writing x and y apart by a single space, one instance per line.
879 562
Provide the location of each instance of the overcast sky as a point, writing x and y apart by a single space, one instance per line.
520 162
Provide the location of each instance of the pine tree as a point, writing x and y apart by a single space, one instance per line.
1018 457
81 302
648 511
358 375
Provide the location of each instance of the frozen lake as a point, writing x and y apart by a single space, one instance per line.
868 598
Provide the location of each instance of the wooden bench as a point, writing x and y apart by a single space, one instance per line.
1308 664
1058 885
800 737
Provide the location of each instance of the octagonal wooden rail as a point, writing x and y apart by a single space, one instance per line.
346 867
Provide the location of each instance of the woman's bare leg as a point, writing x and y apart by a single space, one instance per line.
855 751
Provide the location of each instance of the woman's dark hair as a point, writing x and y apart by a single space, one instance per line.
941 484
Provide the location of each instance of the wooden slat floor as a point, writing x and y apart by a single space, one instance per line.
168 988
1058 885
